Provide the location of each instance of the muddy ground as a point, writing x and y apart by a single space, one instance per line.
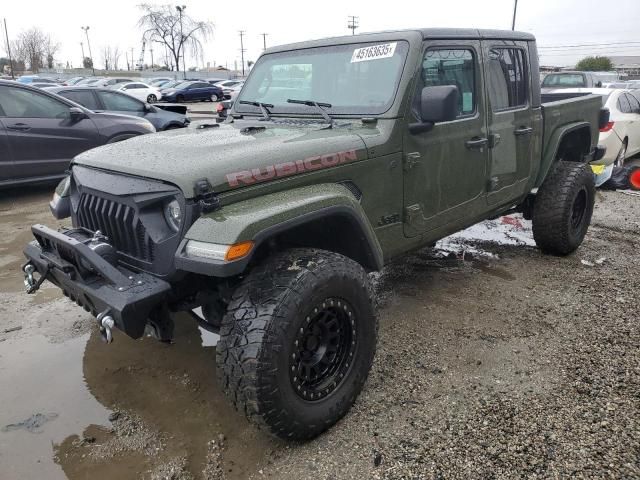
494 361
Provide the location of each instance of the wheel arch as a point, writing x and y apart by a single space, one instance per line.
324 216
571 143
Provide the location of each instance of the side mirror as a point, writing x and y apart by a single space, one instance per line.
437 104
598 84
148 108
76 114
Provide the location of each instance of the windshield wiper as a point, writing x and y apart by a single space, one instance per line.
319 105
263 107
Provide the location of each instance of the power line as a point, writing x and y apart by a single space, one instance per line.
581 45
353 24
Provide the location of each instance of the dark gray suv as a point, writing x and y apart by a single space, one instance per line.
40 133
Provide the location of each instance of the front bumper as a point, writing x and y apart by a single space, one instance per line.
66 260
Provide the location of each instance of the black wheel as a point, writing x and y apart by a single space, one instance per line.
563 208
180 99
297 342
152 98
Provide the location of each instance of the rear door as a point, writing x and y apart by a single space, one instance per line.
509 119
41 133
121 103
6 161
445 168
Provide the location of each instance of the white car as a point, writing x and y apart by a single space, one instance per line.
109 82
232 92
621 135
141 91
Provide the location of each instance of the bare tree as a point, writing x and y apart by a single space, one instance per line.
174 29
31 47
51 48
110 57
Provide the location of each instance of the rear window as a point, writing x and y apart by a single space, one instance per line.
569 80
83 97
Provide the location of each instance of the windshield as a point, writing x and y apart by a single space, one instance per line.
559 80
355 79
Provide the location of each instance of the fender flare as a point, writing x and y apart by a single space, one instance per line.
281 212
553 145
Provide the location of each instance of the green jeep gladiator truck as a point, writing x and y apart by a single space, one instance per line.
338 156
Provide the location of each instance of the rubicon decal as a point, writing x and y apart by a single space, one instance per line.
284 169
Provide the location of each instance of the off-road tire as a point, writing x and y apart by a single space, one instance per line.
563 207
260 330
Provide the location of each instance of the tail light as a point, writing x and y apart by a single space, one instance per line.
607 127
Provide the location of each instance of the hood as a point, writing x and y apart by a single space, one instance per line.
230 156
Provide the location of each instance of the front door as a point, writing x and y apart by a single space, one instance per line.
445 168
41 132
510 119
6 163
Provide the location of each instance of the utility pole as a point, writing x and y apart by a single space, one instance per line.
264 40
353 24
181 10
515 9
82 48
151 50
6 33
242 49
86 32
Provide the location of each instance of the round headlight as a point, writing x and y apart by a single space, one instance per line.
173 214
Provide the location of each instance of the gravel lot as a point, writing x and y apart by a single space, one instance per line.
494 361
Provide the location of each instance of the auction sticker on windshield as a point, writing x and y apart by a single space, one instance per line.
374 52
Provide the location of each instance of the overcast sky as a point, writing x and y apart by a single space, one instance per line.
556 23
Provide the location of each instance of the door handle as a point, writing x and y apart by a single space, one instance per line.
476 143
19 126
518 132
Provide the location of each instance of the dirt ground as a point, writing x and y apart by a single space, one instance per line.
494 361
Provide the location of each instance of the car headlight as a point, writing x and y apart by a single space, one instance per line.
60 204
173 214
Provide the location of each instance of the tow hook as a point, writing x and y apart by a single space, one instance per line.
106 326
29 281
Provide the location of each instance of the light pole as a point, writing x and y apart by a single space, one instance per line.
264 40
242 49
86 32
6 33
515 9
181 10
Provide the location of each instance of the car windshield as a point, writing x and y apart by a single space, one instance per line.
559 80
354 79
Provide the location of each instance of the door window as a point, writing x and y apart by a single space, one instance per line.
21 103
507 79
119 103
623 104
83 97
633 102
450 67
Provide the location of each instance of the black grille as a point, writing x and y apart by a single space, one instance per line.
119 222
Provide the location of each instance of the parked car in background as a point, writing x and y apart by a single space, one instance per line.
621 135
615 85
101 100
107 82
170 84
73 80
41 132
29 79
39 84
156 82
232 92
140 90
227 83
570 80
192 92
89 81
633 84
214 81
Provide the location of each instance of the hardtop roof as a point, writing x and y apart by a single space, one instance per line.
425 33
